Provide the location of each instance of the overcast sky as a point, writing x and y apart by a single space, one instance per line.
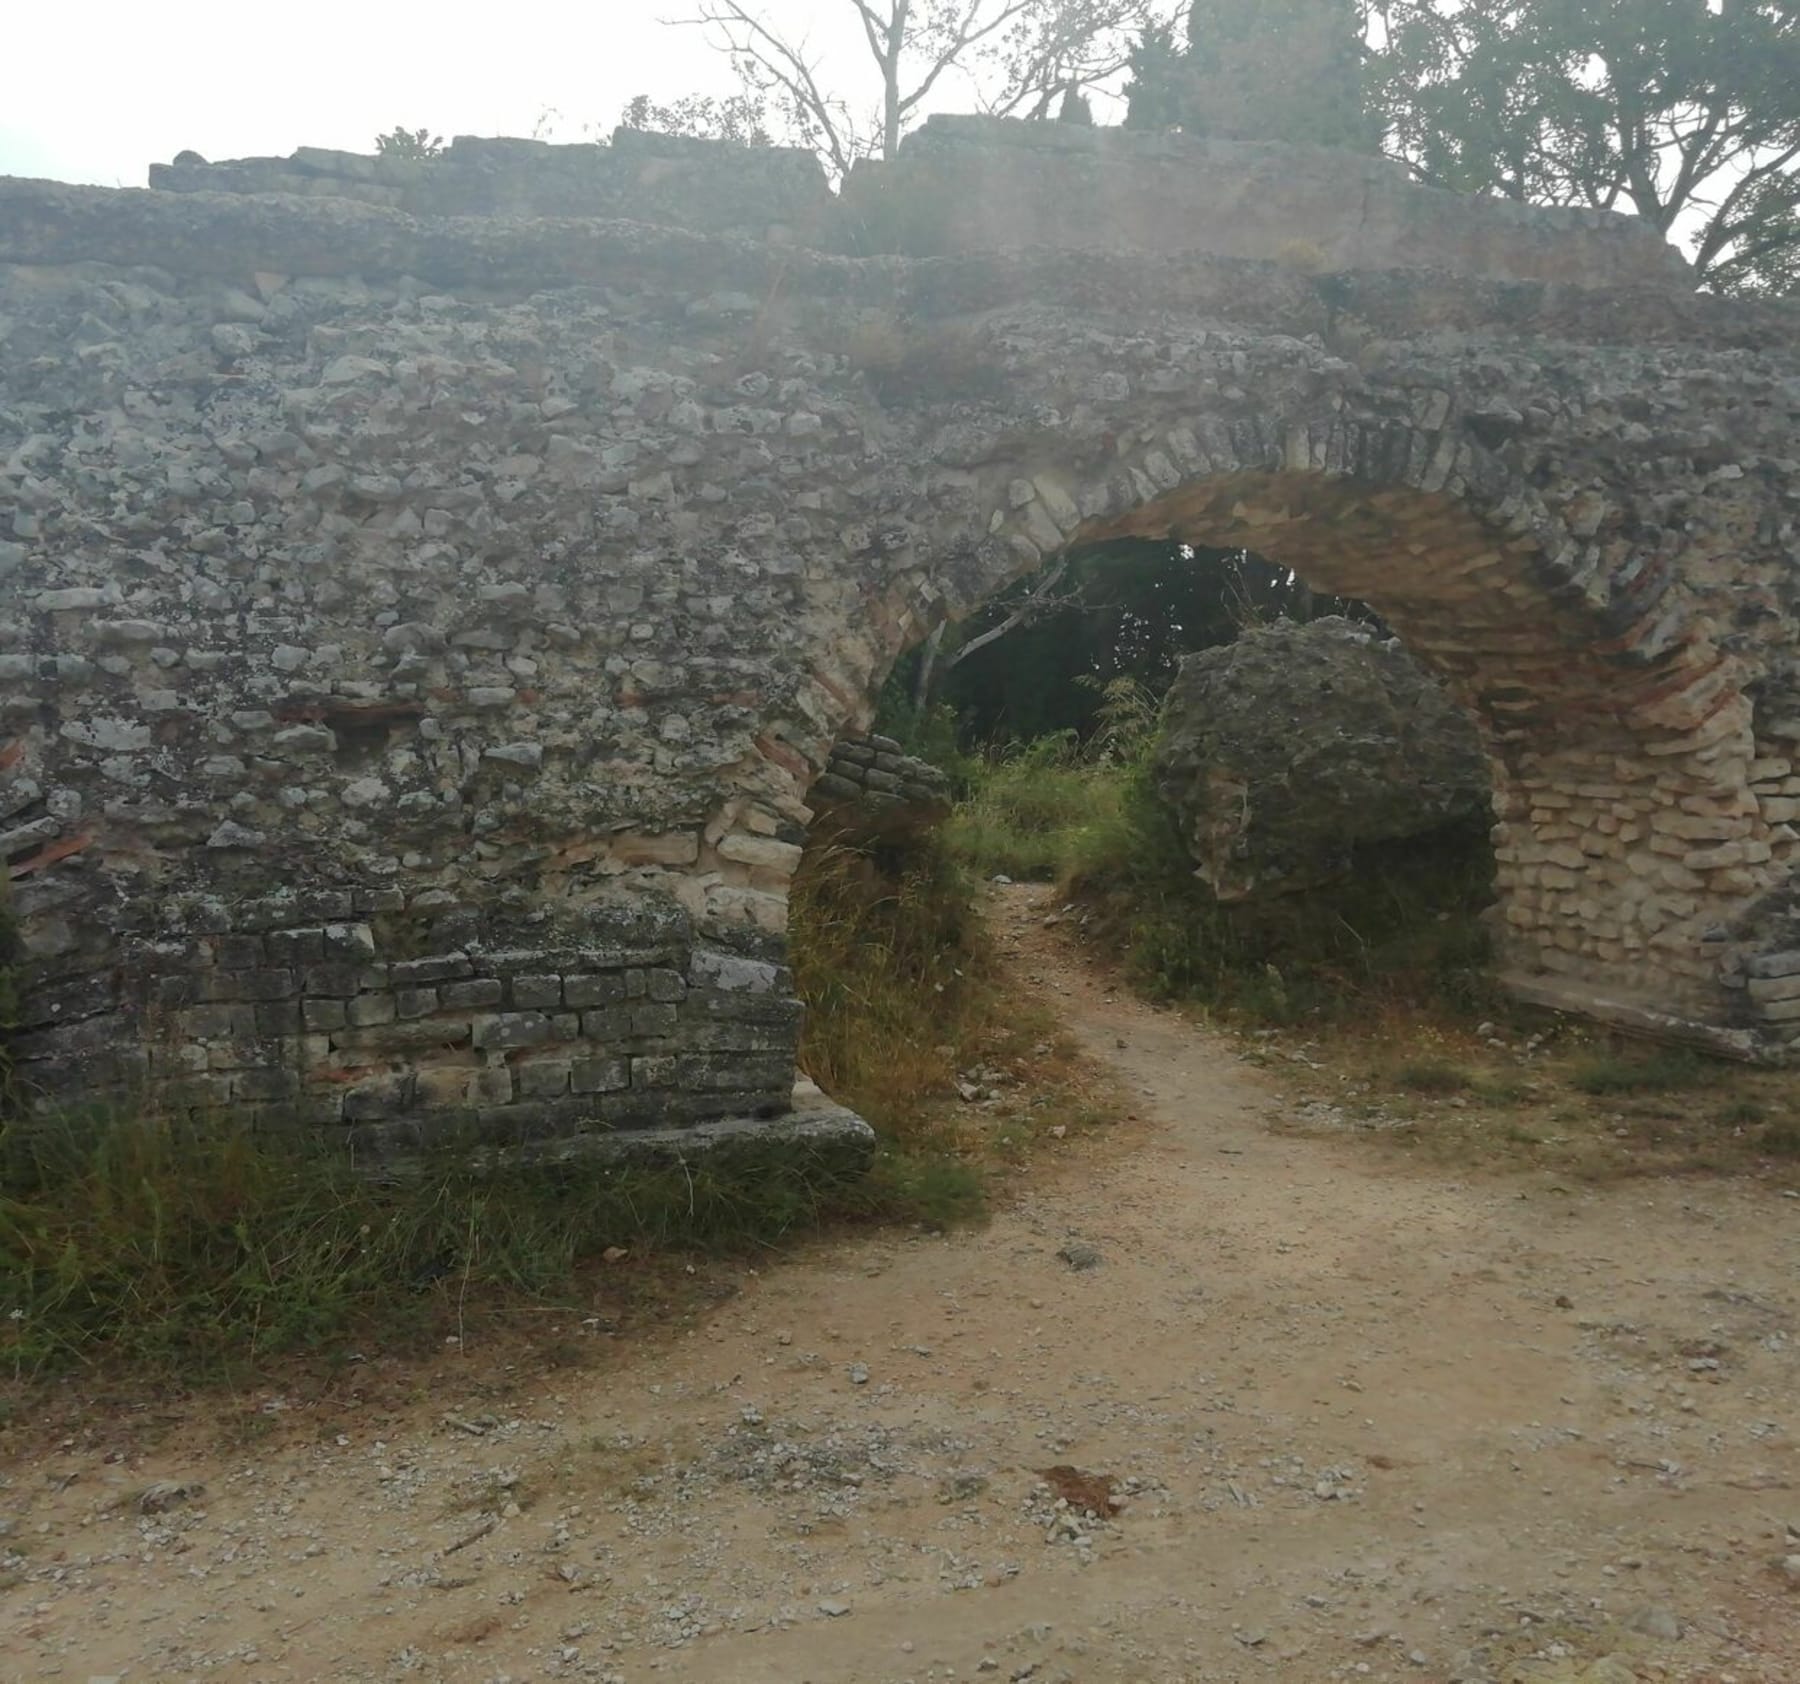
97 90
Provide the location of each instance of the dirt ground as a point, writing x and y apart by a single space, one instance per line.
1343 1417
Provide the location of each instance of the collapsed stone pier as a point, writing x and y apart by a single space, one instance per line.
432 589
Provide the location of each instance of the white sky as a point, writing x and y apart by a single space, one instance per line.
97 90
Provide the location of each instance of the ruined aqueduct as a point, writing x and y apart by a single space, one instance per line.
432 588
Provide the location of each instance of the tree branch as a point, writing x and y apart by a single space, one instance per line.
1038 601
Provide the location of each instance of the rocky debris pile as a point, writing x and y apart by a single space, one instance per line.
872 787
1283 751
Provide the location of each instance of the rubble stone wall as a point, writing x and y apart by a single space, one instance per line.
422 633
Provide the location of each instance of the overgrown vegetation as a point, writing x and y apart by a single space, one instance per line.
908 1013
1402 926
199 1244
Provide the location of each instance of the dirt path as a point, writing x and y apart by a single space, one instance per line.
1366 1423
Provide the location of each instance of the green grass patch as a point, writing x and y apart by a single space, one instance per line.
1664 1070
1433 1075
1032 814
201 1247
891 958
1781 1140
201 1244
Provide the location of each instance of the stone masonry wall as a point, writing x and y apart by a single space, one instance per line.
422 634
871 786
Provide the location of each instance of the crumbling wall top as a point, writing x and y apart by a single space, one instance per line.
965 184
774 192
975 186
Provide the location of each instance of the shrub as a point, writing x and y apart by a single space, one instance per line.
1402 926
1666 1070
402 142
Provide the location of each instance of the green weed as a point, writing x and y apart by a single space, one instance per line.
1032 813
903 993
1402 927
1781 1140
1666 1070
1433 1075
199 1244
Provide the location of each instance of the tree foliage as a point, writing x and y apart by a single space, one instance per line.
402 142
1686 112
742 118
1259 70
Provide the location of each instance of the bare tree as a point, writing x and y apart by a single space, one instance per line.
1019 54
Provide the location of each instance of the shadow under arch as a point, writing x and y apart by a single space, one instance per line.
1617 730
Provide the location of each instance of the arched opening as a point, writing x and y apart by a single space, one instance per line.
1616 729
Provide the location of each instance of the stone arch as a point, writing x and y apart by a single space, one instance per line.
423 628
1618 730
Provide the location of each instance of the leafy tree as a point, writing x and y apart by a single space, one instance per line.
1022 55
742 117
1684 111
402 142
1279 70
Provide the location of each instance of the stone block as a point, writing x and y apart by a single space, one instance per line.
503 1030
366 1010
607 1023
1763 989
442 1086
494 1085
475 993
255 985
373 1101
650 1021
276 1018
337 981
747 849
538 992
665 987
264 1085
415 1002
296 947
542 1078
418 1035
599 1075
598 989
237 953
445 967
654 1071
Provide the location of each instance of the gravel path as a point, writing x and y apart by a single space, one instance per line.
1208 1402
